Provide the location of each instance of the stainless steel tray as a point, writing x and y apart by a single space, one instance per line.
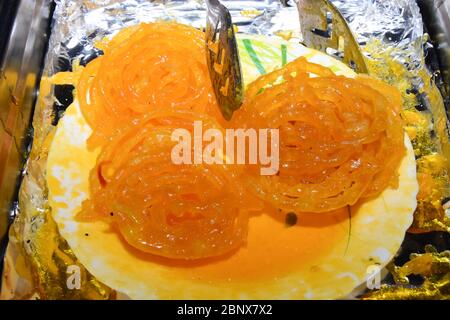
24 33
25 27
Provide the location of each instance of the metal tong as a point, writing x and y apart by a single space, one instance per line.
323 28
223 59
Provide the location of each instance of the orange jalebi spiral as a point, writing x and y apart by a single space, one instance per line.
145 67
341 139
171 210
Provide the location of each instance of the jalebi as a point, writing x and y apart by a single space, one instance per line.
143 68
173 210
341 139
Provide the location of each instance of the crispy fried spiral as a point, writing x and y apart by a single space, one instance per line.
341 139
143 68
177 211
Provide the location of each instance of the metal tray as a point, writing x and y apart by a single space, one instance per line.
25 27
24 34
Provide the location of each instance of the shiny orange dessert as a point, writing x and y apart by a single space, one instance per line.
341 139
145 67
171 210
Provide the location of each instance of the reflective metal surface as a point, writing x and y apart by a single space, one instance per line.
324 28
436 15
223 59
19 75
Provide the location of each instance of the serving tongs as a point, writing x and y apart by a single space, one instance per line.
322 26
325 29
223 59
